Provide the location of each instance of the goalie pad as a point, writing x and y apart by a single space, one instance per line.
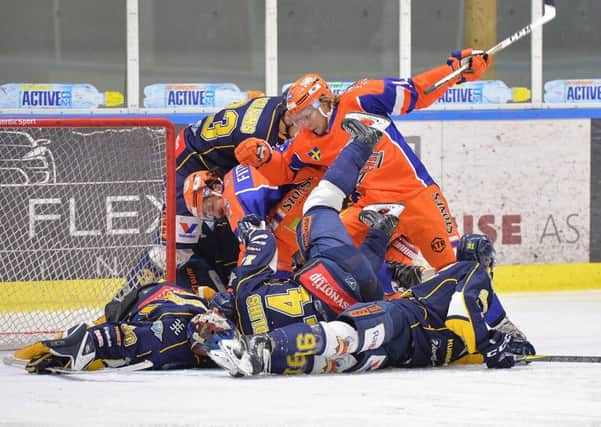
75 350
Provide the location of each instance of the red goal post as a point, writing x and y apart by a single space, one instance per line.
80 200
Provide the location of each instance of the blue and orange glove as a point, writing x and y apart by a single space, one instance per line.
477 60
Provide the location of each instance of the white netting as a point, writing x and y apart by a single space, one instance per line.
77 207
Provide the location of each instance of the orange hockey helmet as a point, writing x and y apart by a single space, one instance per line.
307 91
197 187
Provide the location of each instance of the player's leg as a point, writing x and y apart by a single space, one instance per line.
321 234
428 224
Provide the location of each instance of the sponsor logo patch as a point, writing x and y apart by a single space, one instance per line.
318 280
365 311
188 228
305 232
99 338
117 335
442 208
373 337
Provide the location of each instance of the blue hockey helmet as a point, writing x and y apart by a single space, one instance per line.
477 247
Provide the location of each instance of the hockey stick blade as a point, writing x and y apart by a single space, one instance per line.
548 14
146 364
557 358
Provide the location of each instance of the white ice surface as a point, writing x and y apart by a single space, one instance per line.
540 394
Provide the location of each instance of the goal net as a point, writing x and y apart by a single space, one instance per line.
80 201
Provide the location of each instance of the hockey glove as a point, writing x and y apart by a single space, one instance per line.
247 227
205 330
496 350
477 60
224 302
405 276
521 347
253 152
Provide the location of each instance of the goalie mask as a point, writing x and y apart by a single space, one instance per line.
477 247
203 194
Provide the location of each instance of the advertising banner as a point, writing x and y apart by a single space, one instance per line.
526 184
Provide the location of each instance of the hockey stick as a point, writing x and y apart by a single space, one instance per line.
556 358
140 366
548 15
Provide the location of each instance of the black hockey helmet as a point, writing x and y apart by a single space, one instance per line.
477 247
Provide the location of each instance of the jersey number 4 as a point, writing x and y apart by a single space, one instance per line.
290 303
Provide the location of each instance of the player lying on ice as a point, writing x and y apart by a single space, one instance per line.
148 329
445 319
438 322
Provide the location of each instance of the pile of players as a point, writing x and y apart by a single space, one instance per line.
303 216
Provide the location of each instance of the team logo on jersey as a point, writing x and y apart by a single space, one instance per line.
438 244
374 162
315 154
177 327
130 336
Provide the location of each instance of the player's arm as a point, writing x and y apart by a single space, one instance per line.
468 305
477 60
476 296
401 96
260 257
280 165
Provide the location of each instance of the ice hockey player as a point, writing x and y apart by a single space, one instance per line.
149 329
438 322
393 174
244 191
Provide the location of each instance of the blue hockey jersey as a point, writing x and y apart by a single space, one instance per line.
210 142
